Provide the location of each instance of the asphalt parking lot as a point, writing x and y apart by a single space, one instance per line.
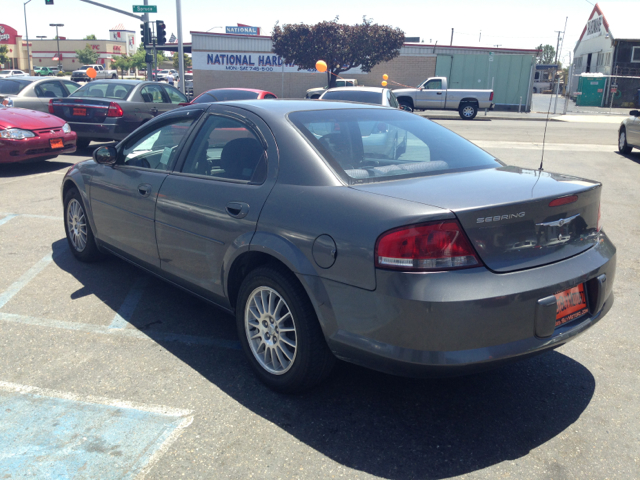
109 373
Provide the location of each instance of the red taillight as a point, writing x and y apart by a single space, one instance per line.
491 97
432 246
563 201
114 110
50 106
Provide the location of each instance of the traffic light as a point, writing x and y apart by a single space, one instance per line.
161 32
48 2
144 33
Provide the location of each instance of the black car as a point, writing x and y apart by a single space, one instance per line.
111 110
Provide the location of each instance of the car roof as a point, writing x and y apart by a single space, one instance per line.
358 89
255 90
280 107
123 82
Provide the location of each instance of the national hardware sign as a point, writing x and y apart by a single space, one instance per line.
248 62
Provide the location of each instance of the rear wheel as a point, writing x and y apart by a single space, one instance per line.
406 103
468 111
76 225
623 147
114 76
280 332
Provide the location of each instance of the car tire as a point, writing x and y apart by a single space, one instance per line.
76 226
406 103
468 111
623 146
114 77
283 342
82 143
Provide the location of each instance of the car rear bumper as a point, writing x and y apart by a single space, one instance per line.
428 324
111 129
37 148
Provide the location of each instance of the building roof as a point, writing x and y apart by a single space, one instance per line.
620 19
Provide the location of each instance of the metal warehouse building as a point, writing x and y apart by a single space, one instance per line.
224 60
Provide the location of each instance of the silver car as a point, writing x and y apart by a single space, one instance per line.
34 93
427 258
374 95
629 133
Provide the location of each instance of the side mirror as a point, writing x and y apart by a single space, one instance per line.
634 113
105 155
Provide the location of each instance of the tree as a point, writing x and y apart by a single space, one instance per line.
4 58
176 61
90 37
547 54
341 46
124 62
87 56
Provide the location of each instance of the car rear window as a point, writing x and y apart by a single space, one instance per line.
110 89
369 145
354 96
13 87
223 95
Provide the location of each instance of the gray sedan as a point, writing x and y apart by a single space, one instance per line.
629 132
374 95
112 109
34 93
425 258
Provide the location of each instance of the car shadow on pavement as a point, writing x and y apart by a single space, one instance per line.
24 169
634 156
387 426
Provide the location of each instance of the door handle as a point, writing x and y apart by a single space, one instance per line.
439 93
144 189
237 209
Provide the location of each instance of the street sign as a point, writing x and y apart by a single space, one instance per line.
145 9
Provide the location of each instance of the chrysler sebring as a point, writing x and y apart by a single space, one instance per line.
333 230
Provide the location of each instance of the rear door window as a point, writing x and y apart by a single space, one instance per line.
153 94
51 89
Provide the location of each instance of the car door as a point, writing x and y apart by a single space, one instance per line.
175 96
633 131
431 95
209 207
156 99
44 91
123 196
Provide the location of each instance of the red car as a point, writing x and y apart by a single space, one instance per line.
224 94
27 135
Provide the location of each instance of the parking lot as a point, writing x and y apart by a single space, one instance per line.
110 373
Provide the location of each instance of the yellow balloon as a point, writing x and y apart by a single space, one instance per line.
384 84
385 77
321 66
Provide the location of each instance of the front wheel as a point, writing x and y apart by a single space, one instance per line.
114 76
623 147
468 111
280 332
76 225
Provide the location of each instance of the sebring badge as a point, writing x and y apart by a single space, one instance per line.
499 218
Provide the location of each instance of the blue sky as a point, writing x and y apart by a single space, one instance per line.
509 23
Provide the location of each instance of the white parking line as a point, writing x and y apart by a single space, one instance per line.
123 332
7 218
29 215
123 317
558 147
29 275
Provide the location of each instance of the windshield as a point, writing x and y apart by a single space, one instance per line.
5 72
13 86
354 96
85 67
367 145
222 95
104 90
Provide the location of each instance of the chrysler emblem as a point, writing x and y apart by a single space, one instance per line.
558 223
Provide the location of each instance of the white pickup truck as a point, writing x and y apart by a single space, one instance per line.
432 94
343 82
80 75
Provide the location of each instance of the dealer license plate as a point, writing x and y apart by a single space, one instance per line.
572 303
56 143
80 112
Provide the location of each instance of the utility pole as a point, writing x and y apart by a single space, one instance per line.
557 85
480 37
58 42
558 44
27 33
180 47
451 37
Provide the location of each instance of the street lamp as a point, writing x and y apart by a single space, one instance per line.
26 31
58 41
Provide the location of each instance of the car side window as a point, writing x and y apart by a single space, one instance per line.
268 95
71 87
434 85
226 148
175 95
157 148
50 90
152 94
393 101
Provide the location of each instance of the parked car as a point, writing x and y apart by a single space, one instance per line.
111 110
44 72
34 92
80 75
30 136
374 95
434 94
436 259
160 75
12 73
225 94
314 93
188 86
629 133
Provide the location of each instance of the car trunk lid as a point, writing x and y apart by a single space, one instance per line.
507 212
82 109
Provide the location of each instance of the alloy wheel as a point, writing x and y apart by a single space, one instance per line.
77 225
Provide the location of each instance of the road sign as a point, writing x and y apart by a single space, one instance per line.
145 9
